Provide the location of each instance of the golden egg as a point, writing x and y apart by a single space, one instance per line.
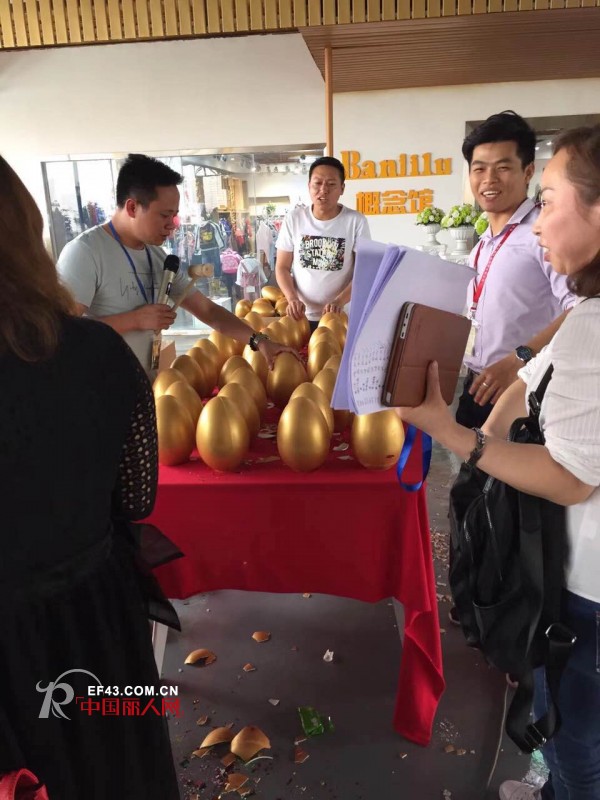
229 367
255 321
325 380
287 373
333 363
318 356
243 307
272 293
264 308
324 334
334 315
175 431
222 436
337 328
342 419
281 307
212 352
257 361
279 333
193 374
243 401
302 435
312 391
295 332
206 363
320 330
377 439
188 397
225 345
305 328
164 379
249 379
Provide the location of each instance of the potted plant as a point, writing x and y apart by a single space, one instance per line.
460 221
430 219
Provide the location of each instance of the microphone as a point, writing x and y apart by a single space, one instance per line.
170 269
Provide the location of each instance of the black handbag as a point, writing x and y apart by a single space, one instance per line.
508 556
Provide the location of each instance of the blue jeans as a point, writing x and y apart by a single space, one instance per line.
573 755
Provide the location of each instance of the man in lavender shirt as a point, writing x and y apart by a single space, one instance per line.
517 302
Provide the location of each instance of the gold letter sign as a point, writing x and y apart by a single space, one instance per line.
395 201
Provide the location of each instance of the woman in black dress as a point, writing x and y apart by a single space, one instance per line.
77 455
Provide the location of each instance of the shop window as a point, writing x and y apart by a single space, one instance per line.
231 208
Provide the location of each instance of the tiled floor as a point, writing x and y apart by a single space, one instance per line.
363 759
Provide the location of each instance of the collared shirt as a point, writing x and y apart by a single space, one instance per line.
522 294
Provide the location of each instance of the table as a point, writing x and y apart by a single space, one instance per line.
341 530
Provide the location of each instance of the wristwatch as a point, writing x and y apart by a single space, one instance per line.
256 339
480 442
524 353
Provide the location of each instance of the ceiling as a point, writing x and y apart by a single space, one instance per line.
480 48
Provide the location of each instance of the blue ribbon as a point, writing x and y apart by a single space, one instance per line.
409 440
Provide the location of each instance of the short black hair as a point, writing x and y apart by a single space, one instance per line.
140 176
507 126
328 161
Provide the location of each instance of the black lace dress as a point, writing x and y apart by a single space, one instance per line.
77 451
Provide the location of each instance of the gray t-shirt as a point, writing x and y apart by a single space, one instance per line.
98 273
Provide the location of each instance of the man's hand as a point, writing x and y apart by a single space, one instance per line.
335 307
270 349
296 309
491 382
153 317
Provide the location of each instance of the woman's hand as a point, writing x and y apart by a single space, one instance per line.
433 415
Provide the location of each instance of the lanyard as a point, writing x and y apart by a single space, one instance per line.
479 284
426 447
133 269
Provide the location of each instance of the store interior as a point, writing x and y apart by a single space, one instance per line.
232 205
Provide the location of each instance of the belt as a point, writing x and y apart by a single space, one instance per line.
472 374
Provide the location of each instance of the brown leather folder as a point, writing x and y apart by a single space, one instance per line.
424 334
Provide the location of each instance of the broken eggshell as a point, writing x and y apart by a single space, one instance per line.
204 655
235 781
217 736
261 636
248 742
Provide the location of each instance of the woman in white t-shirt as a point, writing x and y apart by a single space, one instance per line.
566 469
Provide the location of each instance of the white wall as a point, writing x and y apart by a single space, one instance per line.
245 92
157 97
290 185
383 124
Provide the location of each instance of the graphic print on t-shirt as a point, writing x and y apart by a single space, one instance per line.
322 252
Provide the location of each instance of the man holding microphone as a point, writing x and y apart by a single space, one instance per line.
115 270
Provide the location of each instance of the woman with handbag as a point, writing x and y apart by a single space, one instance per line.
78 453
566 468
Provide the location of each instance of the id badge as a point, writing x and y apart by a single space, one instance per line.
470 349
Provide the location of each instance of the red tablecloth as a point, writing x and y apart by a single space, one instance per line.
342 530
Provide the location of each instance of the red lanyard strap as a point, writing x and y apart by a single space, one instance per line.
479 284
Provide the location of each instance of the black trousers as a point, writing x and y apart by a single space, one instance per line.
469 413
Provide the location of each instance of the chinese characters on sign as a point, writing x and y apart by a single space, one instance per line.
396 201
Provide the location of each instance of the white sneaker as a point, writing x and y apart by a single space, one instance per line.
515 790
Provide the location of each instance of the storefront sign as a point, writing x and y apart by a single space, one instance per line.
395 201
406 165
